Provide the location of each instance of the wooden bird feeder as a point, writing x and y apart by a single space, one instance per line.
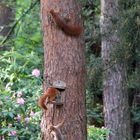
61 86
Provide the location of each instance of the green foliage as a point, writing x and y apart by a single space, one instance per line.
91 14
130 32
16 78
8 2
95 133
20 88
94 92
129 51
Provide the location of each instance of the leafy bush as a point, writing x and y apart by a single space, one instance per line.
21 69
21 85
95 133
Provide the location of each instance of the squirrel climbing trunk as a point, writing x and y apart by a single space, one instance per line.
67 28
64 60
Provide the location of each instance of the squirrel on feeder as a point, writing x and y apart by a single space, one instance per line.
50 95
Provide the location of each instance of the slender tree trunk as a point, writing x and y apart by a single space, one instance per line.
116 108
6 18
64 60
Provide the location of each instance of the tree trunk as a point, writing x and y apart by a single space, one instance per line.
116 108
6 18
64 60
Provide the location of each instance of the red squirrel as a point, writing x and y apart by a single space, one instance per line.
50 94
69 29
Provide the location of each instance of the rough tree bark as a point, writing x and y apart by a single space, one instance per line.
116 108
64 60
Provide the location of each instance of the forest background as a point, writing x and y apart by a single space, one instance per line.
21 68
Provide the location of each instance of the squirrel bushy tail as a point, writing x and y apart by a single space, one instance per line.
50 94
69 29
